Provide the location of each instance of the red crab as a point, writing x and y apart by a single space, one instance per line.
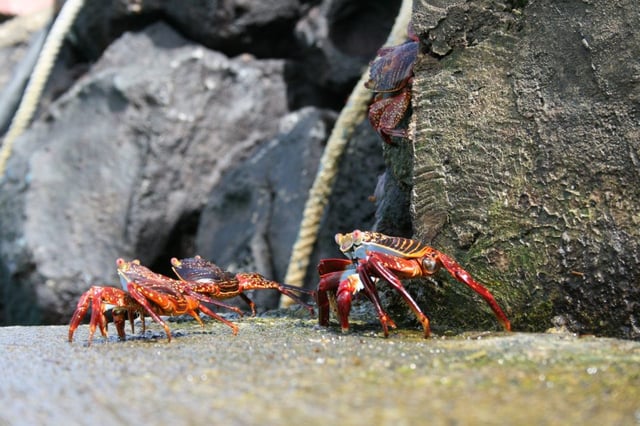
153 294
391 77
134 272
206 278
339 279
376 256
146 293
101 299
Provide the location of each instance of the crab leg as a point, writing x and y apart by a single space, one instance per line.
253 281
341 275
234 328
99 297
203 298
385 114
165 304
81 310
208 278
410 269
463 276
384 273
333 278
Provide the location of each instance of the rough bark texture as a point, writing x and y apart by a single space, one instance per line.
525 160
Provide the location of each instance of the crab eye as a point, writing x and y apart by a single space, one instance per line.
358 237
345 241
429 265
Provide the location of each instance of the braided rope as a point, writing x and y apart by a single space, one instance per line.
39 77
351 115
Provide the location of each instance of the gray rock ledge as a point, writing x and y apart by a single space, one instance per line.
287 370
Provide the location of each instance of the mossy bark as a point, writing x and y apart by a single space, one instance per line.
525 162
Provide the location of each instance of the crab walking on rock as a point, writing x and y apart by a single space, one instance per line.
372 256
145 292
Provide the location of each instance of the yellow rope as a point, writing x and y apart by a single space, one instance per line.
351 115
39 77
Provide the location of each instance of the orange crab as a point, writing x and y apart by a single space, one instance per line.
373 256
144 292
148 293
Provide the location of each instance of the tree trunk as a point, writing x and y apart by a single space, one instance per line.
525 162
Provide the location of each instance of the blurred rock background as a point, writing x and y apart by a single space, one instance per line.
170 129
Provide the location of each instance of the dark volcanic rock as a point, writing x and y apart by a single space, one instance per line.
252 218
328 43
266 28
261 27
121 160
336 40
122 165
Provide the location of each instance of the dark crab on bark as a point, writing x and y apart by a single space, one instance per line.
391 76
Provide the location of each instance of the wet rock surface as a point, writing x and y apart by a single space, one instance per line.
283 369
